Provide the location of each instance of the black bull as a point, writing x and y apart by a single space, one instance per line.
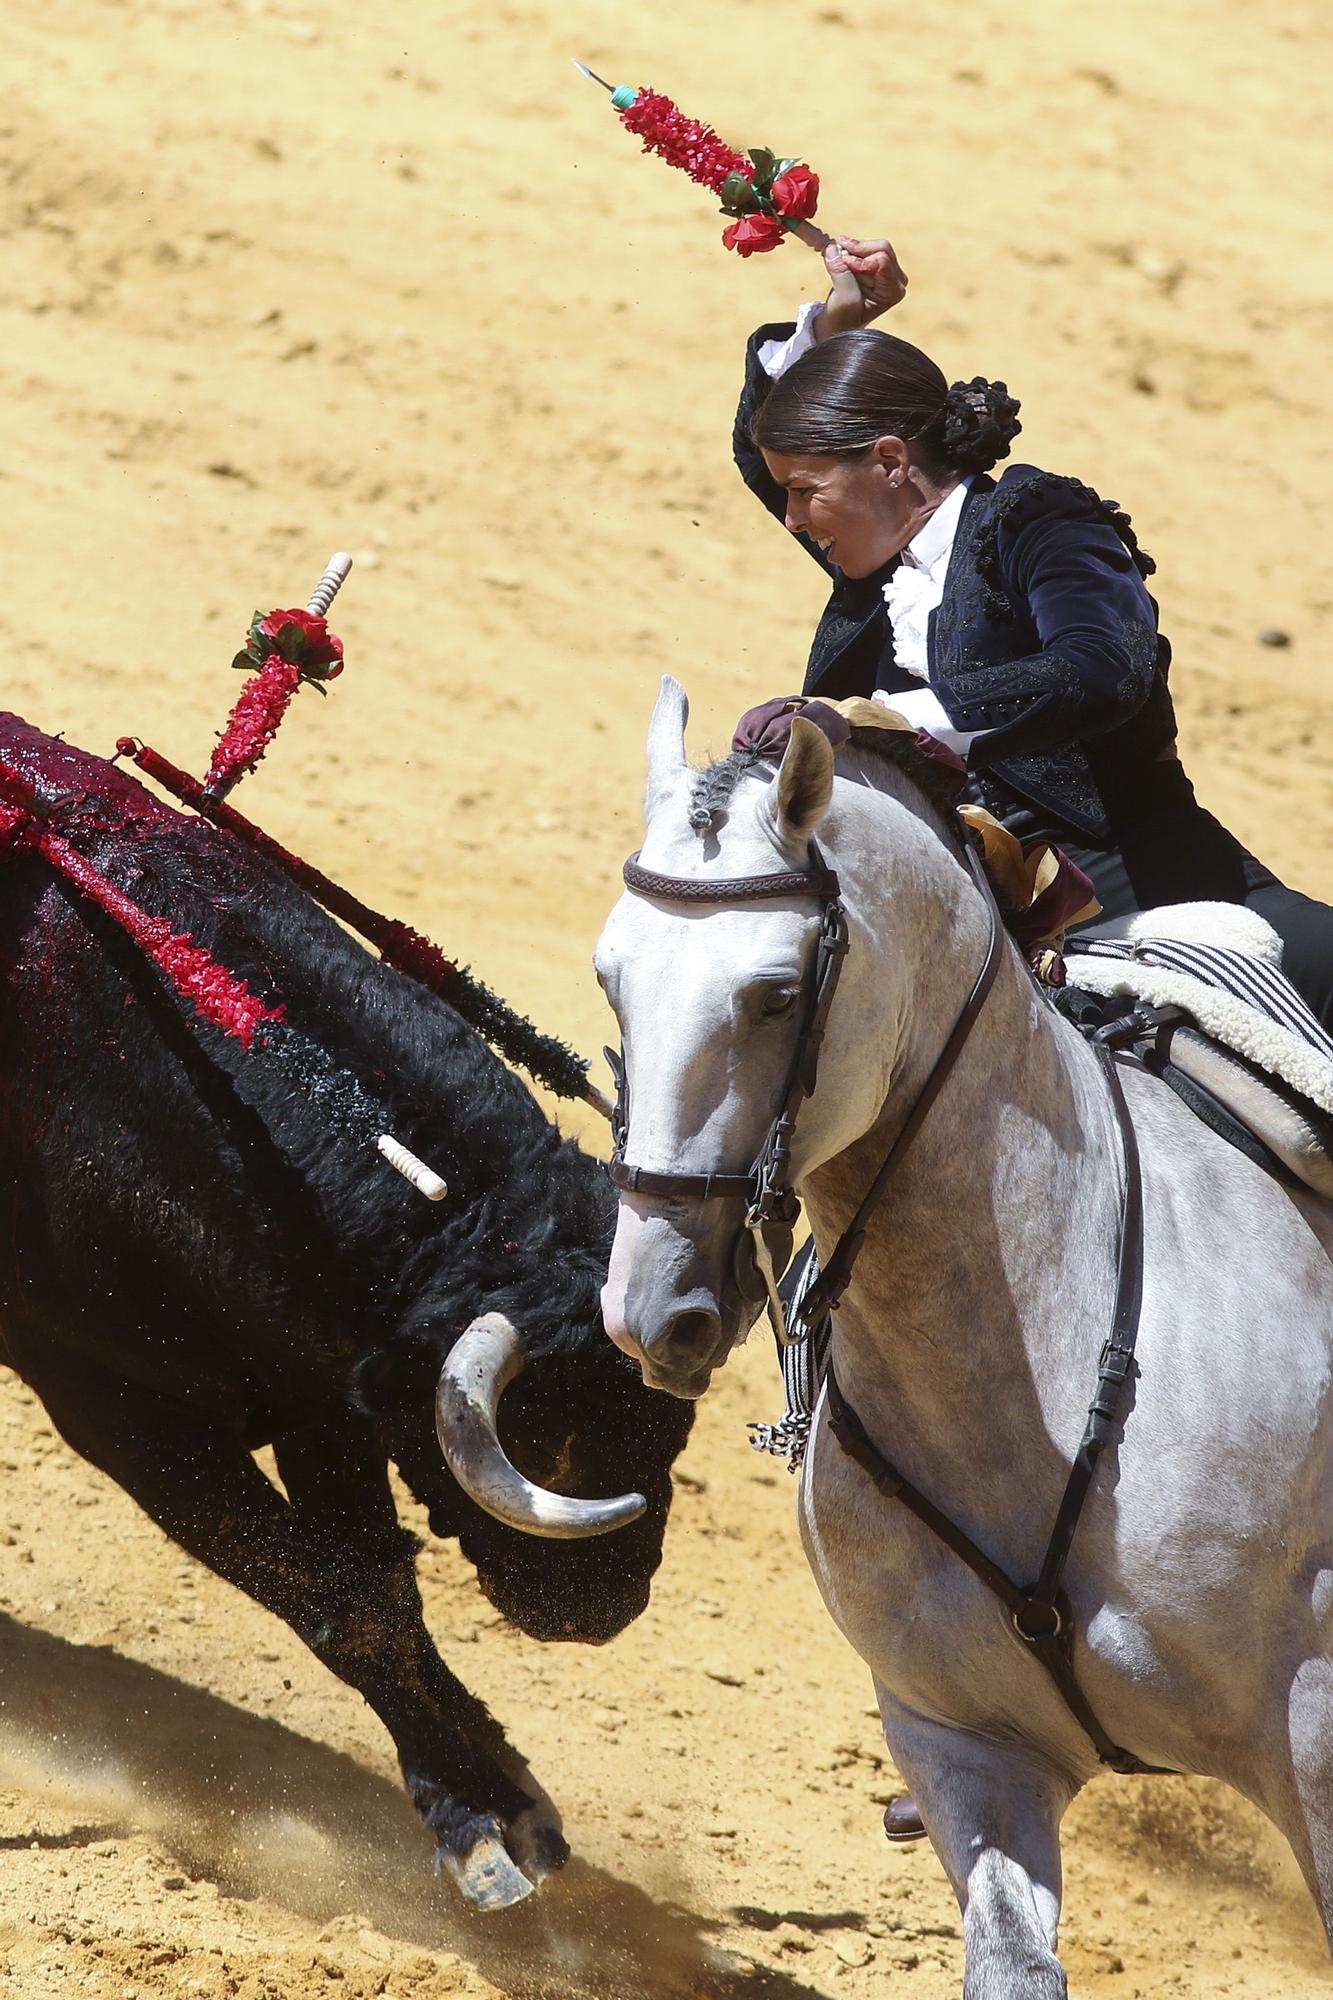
192 1266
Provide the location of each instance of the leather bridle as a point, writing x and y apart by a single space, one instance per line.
772 1206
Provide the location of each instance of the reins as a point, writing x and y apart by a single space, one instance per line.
824 1295
1039 1613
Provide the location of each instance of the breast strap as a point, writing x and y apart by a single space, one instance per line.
1040 1612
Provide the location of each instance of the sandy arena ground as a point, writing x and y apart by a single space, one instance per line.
288 275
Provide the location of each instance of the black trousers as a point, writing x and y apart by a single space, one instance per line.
1183 855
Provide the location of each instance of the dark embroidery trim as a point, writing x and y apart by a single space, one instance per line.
1066 788
1012 684
1141 644
1027 500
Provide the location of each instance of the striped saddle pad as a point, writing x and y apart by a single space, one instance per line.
1255 1045
1223 964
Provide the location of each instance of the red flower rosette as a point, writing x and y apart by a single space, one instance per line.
753 232
299 637
283 649
796 193
767 199
766 195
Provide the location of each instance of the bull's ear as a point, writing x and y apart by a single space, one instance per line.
798 796
666 743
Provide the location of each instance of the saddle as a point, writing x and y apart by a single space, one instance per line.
1197 991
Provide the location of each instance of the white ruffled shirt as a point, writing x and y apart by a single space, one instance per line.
916 586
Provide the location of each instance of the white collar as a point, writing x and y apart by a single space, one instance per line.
933 543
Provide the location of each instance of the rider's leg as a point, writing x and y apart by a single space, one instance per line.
993 1811
1201 862
1184 856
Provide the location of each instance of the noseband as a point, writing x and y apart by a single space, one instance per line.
772 1207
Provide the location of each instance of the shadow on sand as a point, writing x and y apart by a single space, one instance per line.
254 1807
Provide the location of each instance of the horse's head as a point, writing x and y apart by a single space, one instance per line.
712 994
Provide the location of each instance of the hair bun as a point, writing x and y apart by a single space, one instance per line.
980 424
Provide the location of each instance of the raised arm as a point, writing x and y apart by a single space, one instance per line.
865 280
749 459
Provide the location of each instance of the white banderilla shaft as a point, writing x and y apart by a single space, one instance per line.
422 1177
330 583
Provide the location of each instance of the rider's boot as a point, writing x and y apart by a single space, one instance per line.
902 1821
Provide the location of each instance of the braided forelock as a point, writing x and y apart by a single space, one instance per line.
716 785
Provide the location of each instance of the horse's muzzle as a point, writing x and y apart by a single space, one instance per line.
681 1356
671 1301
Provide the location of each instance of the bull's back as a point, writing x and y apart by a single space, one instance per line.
174 1197
167 1212
136 1233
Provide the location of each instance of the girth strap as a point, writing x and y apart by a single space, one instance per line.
1040 1613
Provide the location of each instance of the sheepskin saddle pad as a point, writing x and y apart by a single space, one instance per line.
1250 1042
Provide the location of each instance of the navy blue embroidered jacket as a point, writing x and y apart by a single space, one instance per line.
1046 638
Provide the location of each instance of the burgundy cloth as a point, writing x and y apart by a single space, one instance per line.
768 727
768 730
1052 912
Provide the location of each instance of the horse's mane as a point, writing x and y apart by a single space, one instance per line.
716 784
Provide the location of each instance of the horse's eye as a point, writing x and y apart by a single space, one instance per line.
777 1002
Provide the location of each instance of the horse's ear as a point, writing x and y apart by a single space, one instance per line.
798 796
666 743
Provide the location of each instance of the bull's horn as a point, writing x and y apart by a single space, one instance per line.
481 1365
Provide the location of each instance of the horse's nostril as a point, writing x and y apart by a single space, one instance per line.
689 1336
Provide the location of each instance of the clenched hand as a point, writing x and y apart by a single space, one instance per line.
866 280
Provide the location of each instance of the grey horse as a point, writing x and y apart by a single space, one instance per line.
1201 1577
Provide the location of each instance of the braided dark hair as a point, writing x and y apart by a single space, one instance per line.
855 387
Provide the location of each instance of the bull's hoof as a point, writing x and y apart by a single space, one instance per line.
533 1835
487 1875
539 1847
